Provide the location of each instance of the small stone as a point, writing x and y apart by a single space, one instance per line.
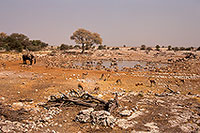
100 95
2 98
53 131
5 129
125 124
18 105
126 113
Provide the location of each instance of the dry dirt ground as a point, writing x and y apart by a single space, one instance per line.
153 108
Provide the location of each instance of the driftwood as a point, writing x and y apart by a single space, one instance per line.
84 100
112 104
171 91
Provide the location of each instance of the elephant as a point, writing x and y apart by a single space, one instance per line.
29 57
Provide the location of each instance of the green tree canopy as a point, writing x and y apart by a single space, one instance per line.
143 47
17 41
158 47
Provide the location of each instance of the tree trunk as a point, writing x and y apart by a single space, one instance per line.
83 48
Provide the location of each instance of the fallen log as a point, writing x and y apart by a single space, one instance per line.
93 97
84 100
112 104
79 102
171 91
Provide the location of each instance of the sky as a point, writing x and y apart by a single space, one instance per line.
119 22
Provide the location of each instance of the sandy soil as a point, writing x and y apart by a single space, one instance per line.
37 82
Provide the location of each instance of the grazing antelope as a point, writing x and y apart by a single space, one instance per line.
137 84
102 75
152 81
182 80
119 82
84 74
3 65
80 86
106 77
96 90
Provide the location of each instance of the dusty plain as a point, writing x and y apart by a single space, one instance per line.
152 107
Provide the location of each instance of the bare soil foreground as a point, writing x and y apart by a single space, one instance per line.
57 95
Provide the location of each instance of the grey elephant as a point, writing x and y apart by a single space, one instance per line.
29 57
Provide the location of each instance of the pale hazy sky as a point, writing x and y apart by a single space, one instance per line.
130 22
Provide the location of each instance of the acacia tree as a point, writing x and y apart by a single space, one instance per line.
143 47
85 37
17 42
169 47
157 47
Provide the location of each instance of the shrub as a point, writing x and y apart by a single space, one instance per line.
101 47
181 48
157 48
34 48
133 48
143 47
115 48
169 48
65 47
77 47
175 49
149 48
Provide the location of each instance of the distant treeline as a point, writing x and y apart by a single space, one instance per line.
20 42
170 48
183 48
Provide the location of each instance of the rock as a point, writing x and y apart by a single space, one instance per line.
103 118
135 114
100 95
18 105
111 121
126 113
5 129
154 128
125 124
2 98
84 115
189 127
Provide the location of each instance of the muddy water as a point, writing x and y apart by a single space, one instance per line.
121 64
